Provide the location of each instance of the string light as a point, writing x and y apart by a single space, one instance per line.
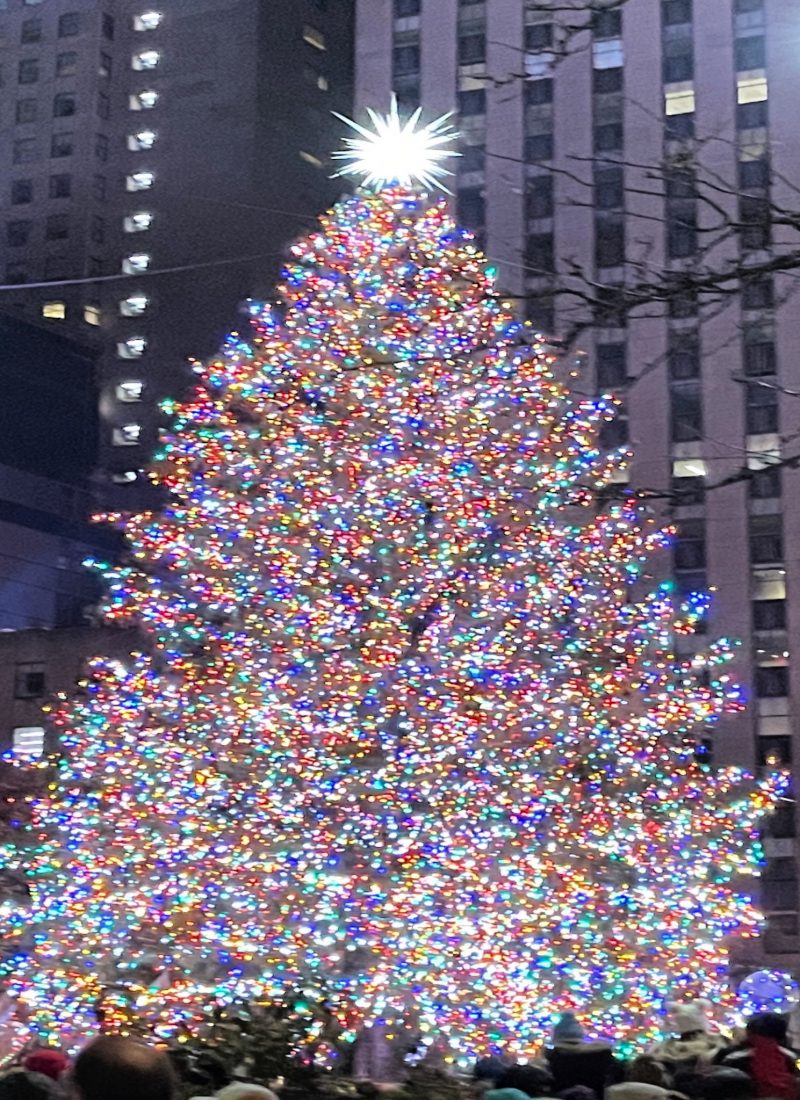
404 730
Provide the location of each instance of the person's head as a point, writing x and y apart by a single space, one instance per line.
647 1070
245 1090
114 1068
728 1084
532 1080
578 1092
47 1060
214 1068
686 1018
568 1029
22 1084
489 1068
768 1025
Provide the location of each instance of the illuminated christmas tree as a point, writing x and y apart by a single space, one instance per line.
406 730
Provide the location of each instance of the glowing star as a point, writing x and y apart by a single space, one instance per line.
397 152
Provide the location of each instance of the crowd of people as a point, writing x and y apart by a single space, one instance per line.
696 1063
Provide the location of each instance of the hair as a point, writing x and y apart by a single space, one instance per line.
647 1070
728 1084
769 1025
22 1084
533 1080
114 1068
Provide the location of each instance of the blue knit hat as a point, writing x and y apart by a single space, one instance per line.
568 1030
506 1094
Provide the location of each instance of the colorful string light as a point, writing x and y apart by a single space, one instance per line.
405 730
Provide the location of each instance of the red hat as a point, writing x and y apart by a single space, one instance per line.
48 1061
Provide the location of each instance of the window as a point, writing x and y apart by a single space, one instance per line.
54 311
130 391
769 614
64 105
608 137
101 147
759 355
16 273
27 742
772 682
124 477
679 99
608 187
147 21
675 12
758 294
690 545
752 116
539 147
752 88
92 315
28 71
540 254
612 371
761 410
134 305
766 539
605 81
765 483
678 66
66 63
103 105
24 151
471 206
683 304
609 240
136 263
97 229
95 266
472 102
405 8
21 192
27 110
140 181
18 232
754 173
473 159
57 227
31 31
143 101
686 406
539 197
99 188
69 24
314 37
29 681
607 24
132 348
538 92
471 48
104 68
684 358
539 36
145 60
755 214
608 54
107 26
750 53
774 752
127 435
62 145
138 223
681 228
144 139
405 59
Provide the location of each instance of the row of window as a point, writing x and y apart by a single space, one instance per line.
132 306
19 231
65 105
60 186
62 144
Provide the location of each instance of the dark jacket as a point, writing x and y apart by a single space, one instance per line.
583 1063
772 1066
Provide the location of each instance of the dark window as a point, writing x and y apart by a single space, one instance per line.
607 80
403 8
539 197
690 546
28 71
774 752
57 227
758 294
608 187
766 539
408 93
471 206
607 24
683 304
29 683
472 103
541 312
681 228
539 147
31 31
686 404
27 110
62 145
99 187
765 484
679 67
782 822
104 68
609 241
612 372
687 490
759 357
756 217
742 6
97 230
101 146
613 433
754 173
761 410
772 682
540 253
69 24
108 26
18 232
752 116
539 36
611 308
56 267
769 614
684 359
674 12
678 127
17 272
405 59
95 266
471 48
473 158
21 192
66 63
779 884
61 186
64 105
608 137
103 105
750 53
680 184
24 151
538 92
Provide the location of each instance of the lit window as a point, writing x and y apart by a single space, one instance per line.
751 87
134 306
132 348
92 315
143 101
28 741
136 263
127 435
147 21
539 64
124 477
679 99
138 223
309 158
145 59
314 37
608 54
140 181
130 391
145 139
769 584
54 311
688 467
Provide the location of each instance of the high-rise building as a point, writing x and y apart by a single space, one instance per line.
155 160
630 146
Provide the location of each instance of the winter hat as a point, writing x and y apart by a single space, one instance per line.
689 1017
489 1068
532 1080
568 1030
48 1060
21 1084
506 1094
245 1090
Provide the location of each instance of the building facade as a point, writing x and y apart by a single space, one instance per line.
155 160
633 147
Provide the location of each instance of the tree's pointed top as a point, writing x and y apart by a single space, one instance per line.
398 151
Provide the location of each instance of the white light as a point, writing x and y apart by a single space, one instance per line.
132 348
134 306
136 263
130 390
138 223
145 139
398 152
140 181
147 21
145 59
28 741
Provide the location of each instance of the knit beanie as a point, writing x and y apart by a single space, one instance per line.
690 1016
506 1094
48 1060
568 1030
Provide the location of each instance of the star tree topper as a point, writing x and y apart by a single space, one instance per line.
398 152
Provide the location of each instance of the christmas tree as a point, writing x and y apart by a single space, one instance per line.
408 728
